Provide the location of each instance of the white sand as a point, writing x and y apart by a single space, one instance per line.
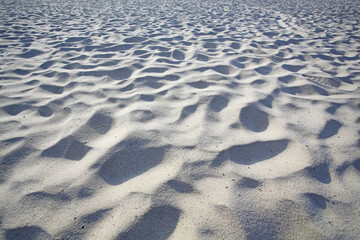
153 119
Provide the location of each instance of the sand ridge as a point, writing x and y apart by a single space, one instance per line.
179 119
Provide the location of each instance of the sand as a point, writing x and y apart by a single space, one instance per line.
155 119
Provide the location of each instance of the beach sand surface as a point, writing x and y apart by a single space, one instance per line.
156 119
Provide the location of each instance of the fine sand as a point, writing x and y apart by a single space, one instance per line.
183 119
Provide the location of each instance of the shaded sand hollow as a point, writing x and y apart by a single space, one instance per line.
184 119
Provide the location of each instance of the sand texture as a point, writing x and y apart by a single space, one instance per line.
183 119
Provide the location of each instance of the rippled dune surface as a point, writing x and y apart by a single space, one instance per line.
155 119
